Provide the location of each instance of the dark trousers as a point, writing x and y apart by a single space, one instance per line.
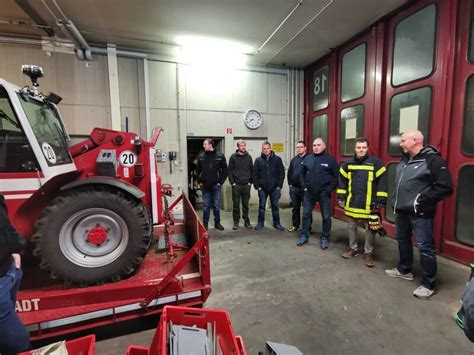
406 225
309 201
211 198
296 196
240 193
14 336
262 201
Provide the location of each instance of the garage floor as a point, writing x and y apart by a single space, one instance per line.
316 300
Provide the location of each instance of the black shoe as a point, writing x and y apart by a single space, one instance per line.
248 225
235 227
219 226
279 227
258 226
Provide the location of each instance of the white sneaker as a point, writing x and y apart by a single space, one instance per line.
423 292
395 273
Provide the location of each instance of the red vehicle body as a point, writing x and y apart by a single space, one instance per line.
91 213
88 209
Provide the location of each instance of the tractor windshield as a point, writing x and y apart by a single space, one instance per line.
48 129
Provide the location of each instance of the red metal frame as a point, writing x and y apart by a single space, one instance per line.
367 100
50 309
435 81
456 159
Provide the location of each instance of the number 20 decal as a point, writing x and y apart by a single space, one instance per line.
48 153
128 158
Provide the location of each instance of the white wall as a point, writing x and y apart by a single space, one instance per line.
214 105
182 100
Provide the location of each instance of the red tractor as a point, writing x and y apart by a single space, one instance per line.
88 208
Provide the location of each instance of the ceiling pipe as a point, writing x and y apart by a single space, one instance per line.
278 27
82 48
68 35
86 49
302 29
16 40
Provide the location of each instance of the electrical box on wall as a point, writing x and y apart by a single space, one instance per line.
161 156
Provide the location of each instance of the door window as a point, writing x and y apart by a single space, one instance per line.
414 46
409 110
16 154
353 73
352 127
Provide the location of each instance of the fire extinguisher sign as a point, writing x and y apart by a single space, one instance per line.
128 158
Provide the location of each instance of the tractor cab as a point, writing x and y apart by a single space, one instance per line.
32 135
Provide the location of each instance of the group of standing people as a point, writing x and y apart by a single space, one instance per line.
266 174
422 180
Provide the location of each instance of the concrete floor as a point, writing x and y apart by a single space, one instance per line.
319 302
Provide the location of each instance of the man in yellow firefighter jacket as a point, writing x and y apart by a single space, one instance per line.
362 190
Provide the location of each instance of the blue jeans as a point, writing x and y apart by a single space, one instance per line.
309 201
406 225
262 200
211 198
297 196
14 336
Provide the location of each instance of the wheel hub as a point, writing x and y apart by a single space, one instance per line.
93 237
97 235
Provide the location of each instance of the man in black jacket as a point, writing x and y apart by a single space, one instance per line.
212 172
319 178
422 180
240 178
361 192
13 335
294 182
268 176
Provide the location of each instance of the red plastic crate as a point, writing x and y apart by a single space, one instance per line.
79 346
229 343
137 350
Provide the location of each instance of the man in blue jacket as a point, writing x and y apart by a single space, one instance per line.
319 178
294 182
422 180
268 176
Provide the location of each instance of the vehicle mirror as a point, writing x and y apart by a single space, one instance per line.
53 98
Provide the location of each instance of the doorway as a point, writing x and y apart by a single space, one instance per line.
194 148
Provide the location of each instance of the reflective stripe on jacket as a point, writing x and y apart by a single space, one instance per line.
362 185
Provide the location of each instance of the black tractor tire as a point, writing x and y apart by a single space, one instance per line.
62 236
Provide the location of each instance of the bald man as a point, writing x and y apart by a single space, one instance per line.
422 180
319 178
